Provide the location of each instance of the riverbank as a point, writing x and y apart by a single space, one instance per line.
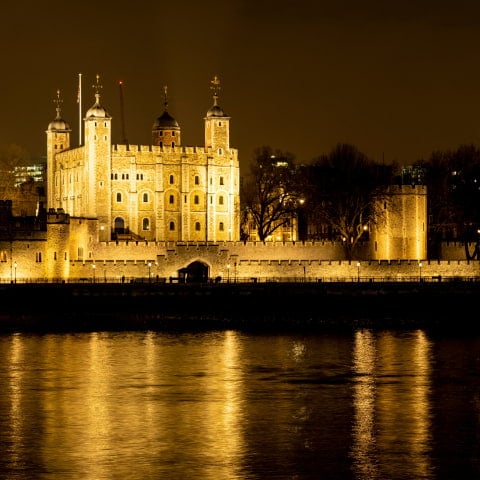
252 306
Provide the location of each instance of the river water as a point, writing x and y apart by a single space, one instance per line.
227 405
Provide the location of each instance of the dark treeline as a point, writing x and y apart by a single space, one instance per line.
336 196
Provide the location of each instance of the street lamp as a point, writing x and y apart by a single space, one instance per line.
15 272
358 271
93 268
420 271
149 272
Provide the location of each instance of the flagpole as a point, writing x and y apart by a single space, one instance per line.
79 100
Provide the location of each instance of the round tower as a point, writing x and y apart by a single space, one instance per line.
58 140
165 130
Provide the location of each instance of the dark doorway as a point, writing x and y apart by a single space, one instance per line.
196 272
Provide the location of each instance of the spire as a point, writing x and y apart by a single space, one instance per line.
216 88
57 102
97 87
165 101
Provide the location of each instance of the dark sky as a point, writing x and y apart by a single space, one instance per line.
398 79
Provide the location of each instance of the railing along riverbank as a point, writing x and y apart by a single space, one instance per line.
251 280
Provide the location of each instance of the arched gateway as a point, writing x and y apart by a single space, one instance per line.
196 272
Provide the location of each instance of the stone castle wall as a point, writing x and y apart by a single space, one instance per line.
111 261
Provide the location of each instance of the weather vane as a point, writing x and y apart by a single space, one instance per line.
215 87
57 102
97 85
165 102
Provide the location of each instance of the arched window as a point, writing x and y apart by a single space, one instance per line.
172 226
196 200
145 198
171 200
197 180
221 227
146 224
220 200
171 179
197 226
221 180
119 197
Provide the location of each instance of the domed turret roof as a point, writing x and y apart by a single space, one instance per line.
165 120
59 123
216 111
97 110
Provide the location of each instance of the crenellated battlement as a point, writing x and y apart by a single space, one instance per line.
120 149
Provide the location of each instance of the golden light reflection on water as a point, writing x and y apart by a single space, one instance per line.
15 393
392 409
228 405
364 393
148 404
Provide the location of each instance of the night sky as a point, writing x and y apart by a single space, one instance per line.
398 79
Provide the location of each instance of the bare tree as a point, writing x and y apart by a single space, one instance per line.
344 188
453 182
270 193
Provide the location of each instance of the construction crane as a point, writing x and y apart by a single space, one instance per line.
122 114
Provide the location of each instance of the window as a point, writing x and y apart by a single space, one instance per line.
171 200
197 180
196 200
197 226
146 224
171 179
221 180
119 197
220 200
145 198
3 256
172 226
38 257
221 227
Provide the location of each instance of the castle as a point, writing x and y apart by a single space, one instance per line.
172 212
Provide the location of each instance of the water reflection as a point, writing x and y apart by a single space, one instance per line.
392 420
367 405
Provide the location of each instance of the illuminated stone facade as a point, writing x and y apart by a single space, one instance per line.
167 211
160 192
400 231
